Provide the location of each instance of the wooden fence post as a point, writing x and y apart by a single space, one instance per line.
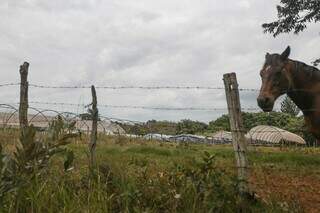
237 130
93 138
23 106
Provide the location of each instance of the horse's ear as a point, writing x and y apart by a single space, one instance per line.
267 55
284 56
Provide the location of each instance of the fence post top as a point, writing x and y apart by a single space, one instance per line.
229 74
24 67
25 64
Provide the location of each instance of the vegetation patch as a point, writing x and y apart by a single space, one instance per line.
148 176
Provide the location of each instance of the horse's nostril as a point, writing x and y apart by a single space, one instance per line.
266 100
260 100
263 101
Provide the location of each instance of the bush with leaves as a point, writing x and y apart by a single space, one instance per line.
288 106
200 187
30 161
188 126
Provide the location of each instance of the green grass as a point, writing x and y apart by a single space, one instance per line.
146 176
289 159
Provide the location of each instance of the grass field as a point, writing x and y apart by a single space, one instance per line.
145 176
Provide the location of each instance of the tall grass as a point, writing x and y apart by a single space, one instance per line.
141 176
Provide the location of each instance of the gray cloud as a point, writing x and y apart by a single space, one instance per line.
141 43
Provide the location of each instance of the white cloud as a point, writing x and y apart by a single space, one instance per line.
244 4
141 43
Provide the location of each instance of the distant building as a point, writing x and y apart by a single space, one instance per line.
221 137
188 138
156 136
42 122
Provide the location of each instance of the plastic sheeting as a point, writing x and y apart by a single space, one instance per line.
273 135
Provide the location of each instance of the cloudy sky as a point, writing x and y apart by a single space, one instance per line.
141 43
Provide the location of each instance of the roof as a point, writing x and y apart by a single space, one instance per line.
107 127
188 137
222 135
156 136
42 121
274 135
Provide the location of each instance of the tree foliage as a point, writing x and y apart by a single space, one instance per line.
294 15
282 120
288 106
190 127
221 123
251 120
31 157
166 127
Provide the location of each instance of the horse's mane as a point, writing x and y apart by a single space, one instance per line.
299 66
310 71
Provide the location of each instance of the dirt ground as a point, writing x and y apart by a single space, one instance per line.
301 190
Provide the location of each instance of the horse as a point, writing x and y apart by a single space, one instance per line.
301 82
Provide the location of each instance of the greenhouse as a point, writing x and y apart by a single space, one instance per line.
272 135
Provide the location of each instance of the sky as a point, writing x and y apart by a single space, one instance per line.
141 43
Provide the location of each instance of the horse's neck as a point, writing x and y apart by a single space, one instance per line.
301 93
303 100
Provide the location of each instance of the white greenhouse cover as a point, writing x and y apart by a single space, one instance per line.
271 134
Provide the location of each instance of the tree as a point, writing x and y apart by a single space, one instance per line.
190 127
294 15
287 106
284 121
221 123
152 126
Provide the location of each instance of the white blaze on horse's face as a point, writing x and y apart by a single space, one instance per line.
268 68
266 97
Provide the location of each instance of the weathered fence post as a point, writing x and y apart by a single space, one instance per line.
93 138
236 124
23 107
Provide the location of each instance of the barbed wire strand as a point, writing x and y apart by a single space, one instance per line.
142 87
127 87
9 84
165 107
169 108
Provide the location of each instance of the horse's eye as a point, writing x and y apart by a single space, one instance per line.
278 74
276 82
262 73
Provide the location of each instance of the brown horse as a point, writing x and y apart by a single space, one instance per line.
299 81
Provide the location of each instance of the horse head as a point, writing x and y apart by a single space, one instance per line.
275 80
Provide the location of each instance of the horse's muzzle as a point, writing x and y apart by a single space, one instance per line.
265 103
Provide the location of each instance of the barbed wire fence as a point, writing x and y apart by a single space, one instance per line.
160 108
42 116
124 107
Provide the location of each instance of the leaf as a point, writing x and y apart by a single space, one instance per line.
207 154
72 125
316 62
56 150
64 140
69 160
